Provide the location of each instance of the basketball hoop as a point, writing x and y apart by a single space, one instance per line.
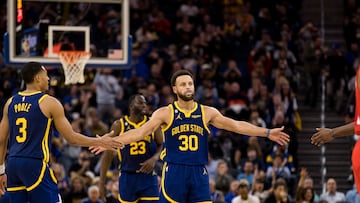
73 63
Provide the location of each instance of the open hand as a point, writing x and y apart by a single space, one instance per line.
279 137
322 136
108 142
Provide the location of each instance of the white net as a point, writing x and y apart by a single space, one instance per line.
73 63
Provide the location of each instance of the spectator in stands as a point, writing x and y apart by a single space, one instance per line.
222 178
113 196
107 87
234 185
247 173
331 194
305 181
279 193
244 195
216 195
258 188
278 170
77 190
93 195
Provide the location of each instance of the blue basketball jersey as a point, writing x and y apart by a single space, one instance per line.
29 127
136 152
185 137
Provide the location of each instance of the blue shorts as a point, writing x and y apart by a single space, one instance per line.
184 183
138 187
31 180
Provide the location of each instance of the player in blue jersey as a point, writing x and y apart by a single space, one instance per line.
26 128
138 181
185 127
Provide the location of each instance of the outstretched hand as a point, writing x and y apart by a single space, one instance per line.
279 137
322 136
107 142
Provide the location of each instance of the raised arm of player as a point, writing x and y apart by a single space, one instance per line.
158 118
52 108
214 117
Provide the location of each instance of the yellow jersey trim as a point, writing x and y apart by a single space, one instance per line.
163 154
149 198
28 93
13 189
122 126
171 119
123 201
163 185
42 98
136 125
52 175
186 113
203 119
46 153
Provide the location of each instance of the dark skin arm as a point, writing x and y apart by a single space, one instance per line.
148 165
325 135
106 160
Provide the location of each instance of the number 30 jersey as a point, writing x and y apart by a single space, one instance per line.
135 153
30 130
185 136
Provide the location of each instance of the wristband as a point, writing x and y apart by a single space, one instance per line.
268 133
2 169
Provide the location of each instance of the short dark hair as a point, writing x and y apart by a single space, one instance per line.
179 73
29 71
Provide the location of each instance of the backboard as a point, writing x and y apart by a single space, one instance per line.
39 29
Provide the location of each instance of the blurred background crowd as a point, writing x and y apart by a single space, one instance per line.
252 60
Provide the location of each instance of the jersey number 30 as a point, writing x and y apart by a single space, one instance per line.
189 143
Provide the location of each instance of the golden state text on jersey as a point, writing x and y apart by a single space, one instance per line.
185 136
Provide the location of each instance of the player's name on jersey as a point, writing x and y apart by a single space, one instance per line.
22 107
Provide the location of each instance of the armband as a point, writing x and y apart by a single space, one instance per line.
331 133
2 169
268 133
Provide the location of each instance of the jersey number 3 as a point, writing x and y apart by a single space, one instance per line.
22 123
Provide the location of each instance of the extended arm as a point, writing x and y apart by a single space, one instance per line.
55 110
156 120
324 135
215 118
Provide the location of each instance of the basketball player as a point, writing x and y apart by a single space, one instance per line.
26 127
185 127
138 181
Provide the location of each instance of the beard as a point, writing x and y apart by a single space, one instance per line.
186 98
